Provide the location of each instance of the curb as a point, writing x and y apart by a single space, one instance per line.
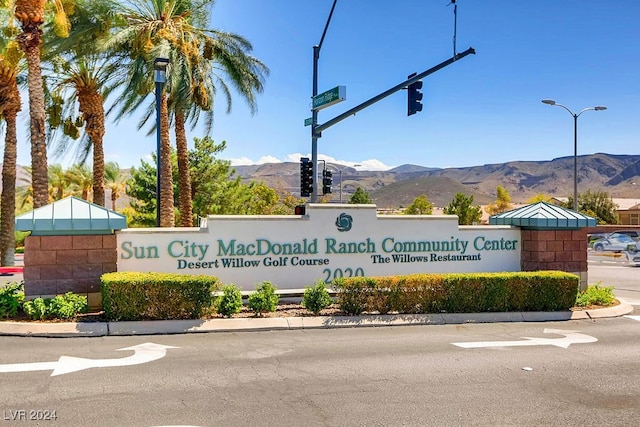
164 327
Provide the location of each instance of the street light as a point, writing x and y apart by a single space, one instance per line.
575 143
160 77
340 173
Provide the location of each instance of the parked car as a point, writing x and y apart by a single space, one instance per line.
616 242
634 234
594 237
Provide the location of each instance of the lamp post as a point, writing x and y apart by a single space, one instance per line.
160 77
340 173
575 143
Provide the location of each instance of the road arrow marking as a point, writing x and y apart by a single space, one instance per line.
570 337
633 317
142 353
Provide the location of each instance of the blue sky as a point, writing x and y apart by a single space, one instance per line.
485 108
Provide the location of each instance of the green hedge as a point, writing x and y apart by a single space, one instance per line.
153 296
458 293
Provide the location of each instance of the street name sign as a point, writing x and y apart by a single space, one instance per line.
330 97
307 122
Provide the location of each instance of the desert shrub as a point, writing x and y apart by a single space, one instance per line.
11 299
316 297
595 295
65 306
264 299
37 308
230 302
68 306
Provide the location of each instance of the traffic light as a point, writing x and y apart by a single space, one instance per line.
306 177
327 181
414 96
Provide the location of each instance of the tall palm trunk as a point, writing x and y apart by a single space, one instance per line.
10 98
184 176
91 106
31 16
167 215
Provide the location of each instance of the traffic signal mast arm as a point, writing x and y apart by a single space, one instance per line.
319 128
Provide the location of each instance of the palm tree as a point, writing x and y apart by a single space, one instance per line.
201 61
145 33
217 57
10 105
58 183
87 79
31 15
81 78
81 179
116 181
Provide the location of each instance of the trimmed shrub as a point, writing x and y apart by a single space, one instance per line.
458 293
264 299
156 296
230 302
11 299
316 297
353 293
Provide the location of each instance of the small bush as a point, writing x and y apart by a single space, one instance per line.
65 306
595 295
316 297
230 302
264 299
68 306
37 308
11 299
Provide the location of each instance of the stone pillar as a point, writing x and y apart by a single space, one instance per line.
563 250
54 265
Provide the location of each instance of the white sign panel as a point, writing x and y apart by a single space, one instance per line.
330 241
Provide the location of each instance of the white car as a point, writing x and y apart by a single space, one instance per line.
616 242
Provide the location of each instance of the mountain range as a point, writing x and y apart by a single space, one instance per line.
614 174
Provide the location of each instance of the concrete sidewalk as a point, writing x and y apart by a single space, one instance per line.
99 329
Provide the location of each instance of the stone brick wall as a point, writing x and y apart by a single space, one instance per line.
54 265
563 250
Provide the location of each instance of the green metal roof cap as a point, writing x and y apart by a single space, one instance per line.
543 216
70 216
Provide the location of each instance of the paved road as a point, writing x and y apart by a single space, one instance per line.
624 278
412 376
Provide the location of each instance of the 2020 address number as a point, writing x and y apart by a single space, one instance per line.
331 275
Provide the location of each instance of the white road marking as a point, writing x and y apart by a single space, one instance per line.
634 317
570 337
143 353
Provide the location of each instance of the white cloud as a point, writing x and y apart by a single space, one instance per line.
364 165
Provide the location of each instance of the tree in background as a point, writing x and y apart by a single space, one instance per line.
420 206
116 181
214 190
360 197
502 204
462 206
597 204
540 197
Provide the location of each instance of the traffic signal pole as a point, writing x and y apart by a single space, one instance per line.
317 129
315 134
